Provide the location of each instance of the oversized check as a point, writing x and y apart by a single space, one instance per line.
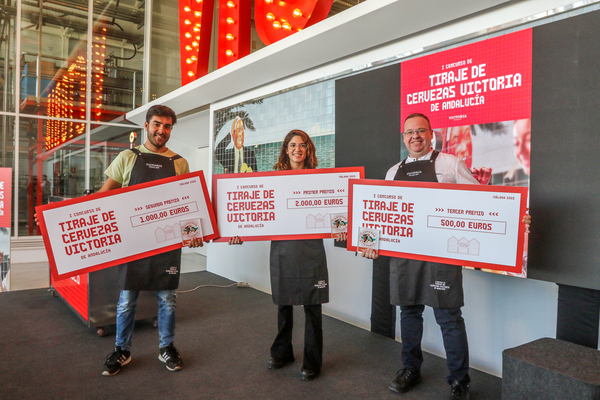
281 204
473 225
109 228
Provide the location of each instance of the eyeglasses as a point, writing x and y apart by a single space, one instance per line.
418 132
292 146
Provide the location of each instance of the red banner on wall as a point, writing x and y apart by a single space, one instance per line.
487 81
5 196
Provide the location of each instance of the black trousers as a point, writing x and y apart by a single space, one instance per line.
454 334
313 336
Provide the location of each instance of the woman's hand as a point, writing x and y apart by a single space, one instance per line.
235 240
341 237
196 242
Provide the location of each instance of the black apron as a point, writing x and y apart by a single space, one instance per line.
160 271
299 272
415 282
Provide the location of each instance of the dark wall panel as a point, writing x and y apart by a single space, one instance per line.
367 121
565 170
367 133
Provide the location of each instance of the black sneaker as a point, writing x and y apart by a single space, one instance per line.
460 391
115 360
170 356
405 379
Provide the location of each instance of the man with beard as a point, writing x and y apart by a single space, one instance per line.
160 272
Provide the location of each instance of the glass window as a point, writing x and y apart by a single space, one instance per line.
54 83
7 141
165 69
117 59
106 144
47 171
7 62
53 59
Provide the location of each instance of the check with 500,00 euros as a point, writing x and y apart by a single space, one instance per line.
472 225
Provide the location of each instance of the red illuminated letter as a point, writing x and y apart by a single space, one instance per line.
195 28
276 19
234 30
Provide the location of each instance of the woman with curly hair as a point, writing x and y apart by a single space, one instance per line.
298 275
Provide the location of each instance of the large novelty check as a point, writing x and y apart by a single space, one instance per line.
473 225
105 229
282 204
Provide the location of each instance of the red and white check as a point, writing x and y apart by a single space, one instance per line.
106 229
282 204
472 225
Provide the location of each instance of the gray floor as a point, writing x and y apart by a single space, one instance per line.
224 335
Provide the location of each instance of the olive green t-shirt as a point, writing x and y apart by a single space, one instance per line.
120 169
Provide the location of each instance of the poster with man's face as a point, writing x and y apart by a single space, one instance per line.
247 137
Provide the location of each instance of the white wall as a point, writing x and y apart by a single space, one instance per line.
500 311
189 134
190 139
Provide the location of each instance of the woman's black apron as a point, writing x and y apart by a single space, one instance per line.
422 282
299 272
161 271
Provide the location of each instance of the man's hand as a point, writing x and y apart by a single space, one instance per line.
483 175
235 240
370 254
527 221
196 242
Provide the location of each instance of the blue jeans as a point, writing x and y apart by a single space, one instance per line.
167 305
454 334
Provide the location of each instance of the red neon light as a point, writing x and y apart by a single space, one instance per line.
67 98
195 28
234 30
276 19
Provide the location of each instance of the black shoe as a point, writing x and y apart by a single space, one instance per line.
115 360
405 380
170 356
307 375
276 363
460 391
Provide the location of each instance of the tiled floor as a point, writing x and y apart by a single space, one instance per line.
37 275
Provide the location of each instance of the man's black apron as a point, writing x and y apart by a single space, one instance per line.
422 282
299 272
161 271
